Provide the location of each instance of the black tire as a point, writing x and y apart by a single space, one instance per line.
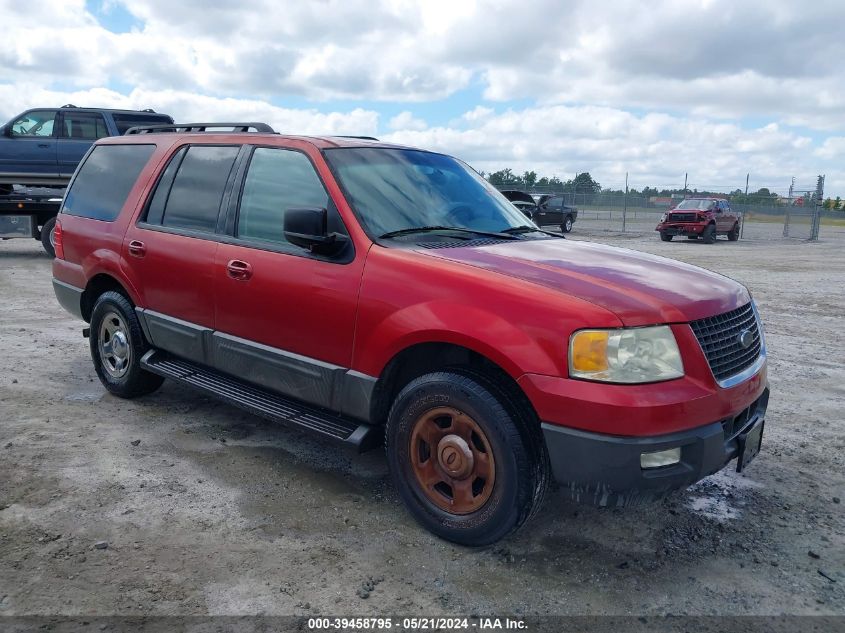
521 469
566 227
47 236
131 381
708 236
733 235
665 237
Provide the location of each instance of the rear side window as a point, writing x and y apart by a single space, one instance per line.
104 180
125 121
85 126
193 200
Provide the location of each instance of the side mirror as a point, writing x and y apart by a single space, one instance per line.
308 228
6 130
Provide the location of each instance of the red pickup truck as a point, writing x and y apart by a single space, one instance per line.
704 218
372 293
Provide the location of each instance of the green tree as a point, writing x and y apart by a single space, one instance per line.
837 203
529 178
503 177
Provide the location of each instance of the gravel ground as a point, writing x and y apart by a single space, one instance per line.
175 504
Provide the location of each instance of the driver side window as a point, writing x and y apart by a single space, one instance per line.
37 123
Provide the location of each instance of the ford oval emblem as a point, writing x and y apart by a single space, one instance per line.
745 338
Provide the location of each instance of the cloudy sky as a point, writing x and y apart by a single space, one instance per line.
716 88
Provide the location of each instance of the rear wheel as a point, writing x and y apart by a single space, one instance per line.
665 236
465 462
566 227
733 235
48 232
117 345
709 234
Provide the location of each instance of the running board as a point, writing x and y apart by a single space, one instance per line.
263 402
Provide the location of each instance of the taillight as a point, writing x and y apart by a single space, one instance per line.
57 240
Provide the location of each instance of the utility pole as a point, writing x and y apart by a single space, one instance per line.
788 208
625 203
817 211
685 184
747 176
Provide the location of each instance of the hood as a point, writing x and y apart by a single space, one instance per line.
517 196
641 289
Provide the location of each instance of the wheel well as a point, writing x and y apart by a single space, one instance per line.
426 358
96 286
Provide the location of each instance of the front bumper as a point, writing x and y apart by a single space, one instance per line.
605 470
680 229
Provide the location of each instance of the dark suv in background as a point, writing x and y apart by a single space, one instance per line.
547 210
43 146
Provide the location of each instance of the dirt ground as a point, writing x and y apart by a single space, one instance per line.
176 504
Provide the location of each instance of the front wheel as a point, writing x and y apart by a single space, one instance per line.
665 237
48 241
566 227
117 345
708 236
467 463
733 236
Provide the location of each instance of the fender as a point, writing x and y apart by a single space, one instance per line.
475 328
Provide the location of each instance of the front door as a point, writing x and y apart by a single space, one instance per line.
30 146
285 317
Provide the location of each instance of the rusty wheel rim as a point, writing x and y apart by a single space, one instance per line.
452 460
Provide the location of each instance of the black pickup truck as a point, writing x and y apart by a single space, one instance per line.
39 151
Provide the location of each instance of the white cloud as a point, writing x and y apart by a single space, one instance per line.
406 121
185 107
657 149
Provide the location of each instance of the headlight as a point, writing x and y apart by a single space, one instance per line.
663 217
629 355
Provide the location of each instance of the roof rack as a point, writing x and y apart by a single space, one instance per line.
200 127
363 138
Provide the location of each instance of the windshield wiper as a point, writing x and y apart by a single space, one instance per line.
520 230
459 229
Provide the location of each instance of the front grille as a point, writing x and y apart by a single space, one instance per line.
682 217
719 337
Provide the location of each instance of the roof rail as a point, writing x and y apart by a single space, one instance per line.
363 138
199 127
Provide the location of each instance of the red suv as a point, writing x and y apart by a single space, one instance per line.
700 217
365 291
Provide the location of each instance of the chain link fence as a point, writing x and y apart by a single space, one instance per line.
763 218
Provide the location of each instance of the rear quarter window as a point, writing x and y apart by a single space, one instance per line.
125 121
103 182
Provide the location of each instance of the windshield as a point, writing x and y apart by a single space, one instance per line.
396 189
698 205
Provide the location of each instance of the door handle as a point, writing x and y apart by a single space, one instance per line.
137 249
239 270
45 145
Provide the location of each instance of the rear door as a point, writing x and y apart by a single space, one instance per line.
77 132
285 317
30 146
171 250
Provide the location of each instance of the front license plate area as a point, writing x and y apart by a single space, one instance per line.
749 445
